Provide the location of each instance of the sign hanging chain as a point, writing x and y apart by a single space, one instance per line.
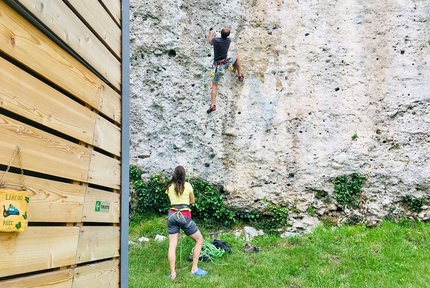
16 151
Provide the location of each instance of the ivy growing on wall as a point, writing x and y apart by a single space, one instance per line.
415 204
347 189
150 198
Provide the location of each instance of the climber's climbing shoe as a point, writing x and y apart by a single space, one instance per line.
240 78
211 108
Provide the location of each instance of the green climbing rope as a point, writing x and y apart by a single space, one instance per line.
209 252
202 90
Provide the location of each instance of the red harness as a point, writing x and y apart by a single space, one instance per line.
222 62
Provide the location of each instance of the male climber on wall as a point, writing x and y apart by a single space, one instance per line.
222 61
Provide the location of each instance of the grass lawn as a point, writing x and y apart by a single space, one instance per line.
392 255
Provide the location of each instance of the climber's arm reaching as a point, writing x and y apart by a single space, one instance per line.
211 35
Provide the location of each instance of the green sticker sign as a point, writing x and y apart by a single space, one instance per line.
102 206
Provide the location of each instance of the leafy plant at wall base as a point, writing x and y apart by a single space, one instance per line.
150 195
354 137
209 205
354 220
135 173
150 198
275 217
327 200
311 210
247 216
415 204
347 189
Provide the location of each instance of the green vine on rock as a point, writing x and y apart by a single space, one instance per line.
274 217
415 204
150 198
347 189
209 205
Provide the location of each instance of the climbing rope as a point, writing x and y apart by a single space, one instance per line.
209 252
202 90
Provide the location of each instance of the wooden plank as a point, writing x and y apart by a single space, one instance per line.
50 201
97 242
110 103
114 8
21 41
104 171
43 152
107 136
102 274
37 248
56 279
58 17
29 97
101 22
108 213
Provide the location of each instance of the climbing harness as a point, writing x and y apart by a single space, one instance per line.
218 67
177 211
225 61
178 215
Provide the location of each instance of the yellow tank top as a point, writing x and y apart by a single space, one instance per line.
183 199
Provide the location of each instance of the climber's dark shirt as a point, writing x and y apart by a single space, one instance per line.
220 48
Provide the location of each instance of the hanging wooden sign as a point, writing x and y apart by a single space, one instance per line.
14 206
13 203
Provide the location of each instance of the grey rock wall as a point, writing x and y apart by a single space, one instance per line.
316 73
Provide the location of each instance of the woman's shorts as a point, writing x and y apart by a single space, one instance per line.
176 221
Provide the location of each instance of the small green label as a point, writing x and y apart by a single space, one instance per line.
98 203
102 206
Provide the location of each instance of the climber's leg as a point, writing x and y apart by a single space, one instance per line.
213 97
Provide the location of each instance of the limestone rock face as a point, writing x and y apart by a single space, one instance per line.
331 88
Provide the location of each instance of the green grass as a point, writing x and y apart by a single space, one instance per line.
392 255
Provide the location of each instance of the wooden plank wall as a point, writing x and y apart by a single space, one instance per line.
65 114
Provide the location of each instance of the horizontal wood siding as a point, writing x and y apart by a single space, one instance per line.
103 274
114 8
61 158
20 41
104 171
110 215
58 17
31 98
51 201
38 248
64 112
56 279
97 242
100 21
106 136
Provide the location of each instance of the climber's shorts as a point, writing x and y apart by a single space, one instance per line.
176 221
217 76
